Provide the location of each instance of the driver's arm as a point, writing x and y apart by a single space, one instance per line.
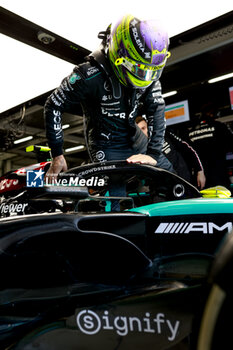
67 94
154 106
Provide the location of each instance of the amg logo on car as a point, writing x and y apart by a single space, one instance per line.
187 227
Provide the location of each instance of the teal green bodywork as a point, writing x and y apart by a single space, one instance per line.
188 207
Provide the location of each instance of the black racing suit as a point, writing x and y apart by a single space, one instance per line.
183 157
109 109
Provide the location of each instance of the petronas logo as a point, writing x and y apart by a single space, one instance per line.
74 77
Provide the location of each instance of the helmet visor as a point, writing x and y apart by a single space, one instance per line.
145 72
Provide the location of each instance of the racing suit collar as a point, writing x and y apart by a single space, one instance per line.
100 57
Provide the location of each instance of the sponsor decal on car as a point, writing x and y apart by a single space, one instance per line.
12 208
90 323
8 183
97 168
189 227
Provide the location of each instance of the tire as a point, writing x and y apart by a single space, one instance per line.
215 331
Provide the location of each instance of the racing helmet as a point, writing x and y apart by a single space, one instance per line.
138 51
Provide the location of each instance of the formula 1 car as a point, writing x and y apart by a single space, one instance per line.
77 275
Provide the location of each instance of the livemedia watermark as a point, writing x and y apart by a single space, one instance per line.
36 178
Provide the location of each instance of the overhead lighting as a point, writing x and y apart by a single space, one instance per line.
170 93
24 139
65 126
222 77
74 148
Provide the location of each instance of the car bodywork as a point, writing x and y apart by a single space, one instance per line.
77 275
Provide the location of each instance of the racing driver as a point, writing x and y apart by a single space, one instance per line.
109 85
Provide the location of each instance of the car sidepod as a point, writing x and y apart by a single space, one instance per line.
70 281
